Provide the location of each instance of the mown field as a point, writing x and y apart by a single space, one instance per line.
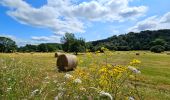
34 76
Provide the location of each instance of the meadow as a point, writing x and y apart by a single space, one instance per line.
34 76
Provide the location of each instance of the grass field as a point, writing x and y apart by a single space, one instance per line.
35 76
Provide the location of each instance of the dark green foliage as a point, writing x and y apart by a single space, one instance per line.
157 49
123 48
78 46
158 42
28 48
145 40
67 40
136 41
7 45
44 47
90 47
111 47
72 44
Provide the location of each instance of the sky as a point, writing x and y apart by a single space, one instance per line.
46 21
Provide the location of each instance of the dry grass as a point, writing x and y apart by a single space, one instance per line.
21 74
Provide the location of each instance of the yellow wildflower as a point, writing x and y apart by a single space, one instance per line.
135 61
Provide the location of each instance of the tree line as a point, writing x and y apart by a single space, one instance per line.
69 43
156 41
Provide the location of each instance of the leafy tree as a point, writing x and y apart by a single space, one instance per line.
30 48
67 40
158 42
42 48
157 49
51 48
90 47
167 47
72 44
110 46
78 46
7 45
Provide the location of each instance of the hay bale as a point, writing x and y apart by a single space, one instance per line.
67 62
57 54
16 53
168 53
137 54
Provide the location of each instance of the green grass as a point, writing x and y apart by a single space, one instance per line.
22 73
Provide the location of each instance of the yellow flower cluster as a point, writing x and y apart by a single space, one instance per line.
104 49
135 61
108 74
81 73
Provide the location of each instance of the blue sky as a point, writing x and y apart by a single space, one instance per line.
40 21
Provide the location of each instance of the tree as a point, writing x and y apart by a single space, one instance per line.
67 40
42 48
158 42
31 48
157 49
78 46
72 44
7 45
51 48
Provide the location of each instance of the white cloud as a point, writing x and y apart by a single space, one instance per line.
67 16
34 39
166 18
152 23
133 11
52 38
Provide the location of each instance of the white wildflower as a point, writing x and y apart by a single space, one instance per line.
9 79
21 81
134 70
93 88
46 82
8 89
102 93
55 81
83 89
77 81
34 92
68 76
61 88
46 77
131 98
58 96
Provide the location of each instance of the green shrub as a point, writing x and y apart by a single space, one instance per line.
157 49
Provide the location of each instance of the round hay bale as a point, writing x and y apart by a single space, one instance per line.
168 53
67 62
57 54
137 54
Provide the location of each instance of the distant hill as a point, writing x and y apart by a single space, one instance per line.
134 41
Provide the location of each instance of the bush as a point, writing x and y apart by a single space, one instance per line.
157 49
123 48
